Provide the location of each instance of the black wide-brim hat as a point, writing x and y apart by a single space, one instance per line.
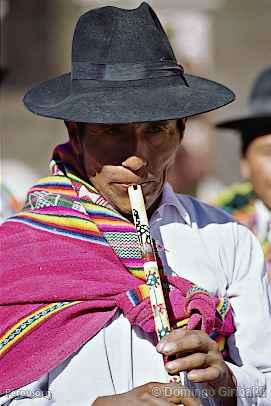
257 121
124 70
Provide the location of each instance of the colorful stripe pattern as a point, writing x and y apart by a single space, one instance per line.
138 294
66 205
223 307
52 205
116 229
28 323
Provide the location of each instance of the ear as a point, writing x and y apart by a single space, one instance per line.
73 131
245 168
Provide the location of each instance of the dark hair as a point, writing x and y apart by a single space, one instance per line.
81 127
181 126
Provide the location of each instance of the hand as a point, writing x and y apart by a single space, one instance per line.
151 394
198 354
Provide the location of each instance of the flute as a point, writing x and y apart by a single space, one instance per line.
153 280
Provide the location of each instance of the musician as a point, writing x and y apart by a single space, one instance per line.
250 201
76 321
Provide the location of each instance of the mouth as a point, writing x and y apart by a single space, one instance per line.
126 178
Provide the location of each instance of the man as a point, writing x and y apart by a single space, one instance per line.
77 325
250 201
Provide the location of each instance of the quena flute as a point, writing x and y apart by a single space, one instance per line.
153 280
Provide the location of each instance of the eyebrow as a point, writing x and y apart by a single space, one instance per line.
159 123
162 123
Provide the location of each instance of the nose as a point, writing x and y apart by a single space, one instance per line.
135 164
136 161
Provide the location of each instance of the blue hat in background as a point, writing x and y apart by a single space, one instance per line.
257 121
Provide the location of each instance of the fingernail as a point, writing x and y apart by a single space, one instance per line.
160 346
168 348
170 366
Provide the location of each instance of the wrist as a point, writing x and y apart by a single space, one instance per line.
101 401
225 388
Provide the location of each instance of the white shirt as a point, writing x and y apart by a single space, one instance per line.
206 246
263 220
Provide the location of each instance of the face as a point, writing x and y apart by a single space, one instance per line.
257 167
118 155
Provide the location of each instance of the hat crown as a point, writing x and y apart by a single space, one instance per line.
261 90
109 35
124 71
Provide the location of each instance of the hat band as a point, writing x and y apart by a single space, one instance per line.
125 71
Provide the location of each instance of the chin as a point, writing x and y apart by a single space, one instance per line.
125 210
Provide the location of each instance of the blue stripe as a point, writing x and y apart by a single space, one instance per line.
71 234
66 185
102 214
132 295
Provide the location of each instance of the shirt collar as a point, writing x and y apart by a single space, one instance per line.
169 198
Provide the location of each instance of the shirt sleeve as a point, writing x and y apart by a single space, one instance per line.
35 394
249 346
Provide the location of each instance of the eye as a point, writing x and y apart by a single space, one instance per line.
156 130
114 131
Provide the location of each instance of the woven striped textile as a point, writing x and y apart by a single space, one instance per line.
70 261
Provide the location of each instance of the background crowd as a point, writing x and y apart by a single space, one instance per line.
223 39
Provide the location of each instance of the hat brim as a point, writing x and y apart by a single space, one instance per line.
253 124
54 99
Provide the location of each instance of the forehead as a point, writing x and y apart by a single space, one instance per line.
260 142
101 127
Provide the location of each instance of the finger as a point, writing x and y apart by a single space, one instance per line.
209 374
187 363
184 342
184 396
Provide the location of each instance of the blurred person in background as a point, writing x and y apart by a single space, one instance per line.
250 201
191 172
76 321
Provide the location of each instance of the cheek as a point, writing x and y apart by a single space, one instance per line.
98 180
165 156
109 152
97 154
92 165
